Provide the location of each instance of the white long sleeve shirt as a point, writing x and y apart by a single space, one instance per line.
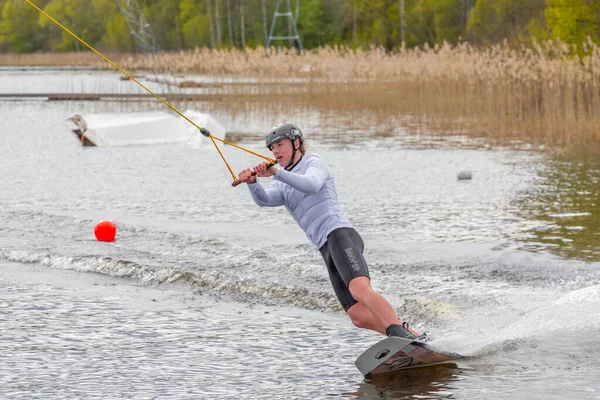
308 193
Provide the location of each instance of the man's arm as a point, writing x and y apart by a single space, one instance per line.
311 182
272 196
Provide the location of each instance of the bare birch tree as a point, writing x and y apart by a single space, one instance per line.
265 23
218 22
354 18
211 24
402 22
242 24
229 24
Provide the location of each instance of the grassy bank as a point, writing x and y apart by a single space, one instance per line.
540 95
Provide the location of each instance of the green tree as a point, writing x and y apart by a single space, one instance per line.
117 36
436 21
163 17
70 13
195 24
18 28
86 20
185 24
573 21
314 24
378 22
492 21
105 21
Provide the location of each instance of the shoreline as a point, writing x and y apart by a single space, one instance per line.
539 97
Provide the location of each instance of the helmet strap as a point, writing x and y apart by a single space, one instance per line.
292 164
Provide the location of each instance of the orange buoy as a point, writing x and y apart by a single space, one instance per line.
105 231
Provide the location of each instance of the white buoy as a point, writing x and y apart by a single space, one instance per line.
463 175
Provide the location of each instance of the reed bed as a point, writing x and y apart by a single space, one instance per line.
541 95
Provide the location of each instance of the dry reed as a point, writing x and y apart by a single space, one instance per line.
539 95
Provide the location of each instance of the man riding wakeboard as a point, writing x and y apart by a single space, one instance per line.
305 186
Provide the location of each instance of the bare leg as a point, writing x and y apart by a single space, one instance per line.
376 304
362 318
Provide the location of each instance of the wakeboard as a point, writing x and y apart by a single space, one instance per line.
395 354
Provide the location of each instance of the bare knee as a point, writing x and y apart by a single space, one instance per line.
360 287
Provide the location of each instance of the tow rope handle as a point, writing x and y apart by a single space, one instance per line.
237 182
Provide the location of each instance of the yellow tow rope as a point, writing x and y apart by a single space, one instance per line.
204 131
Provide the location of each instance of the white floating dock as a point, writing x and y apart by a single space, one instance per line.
144 128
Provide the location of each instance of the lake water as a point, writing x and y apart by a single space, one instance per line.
205 295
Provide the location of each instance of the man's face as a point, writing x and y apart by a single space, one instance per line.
282 151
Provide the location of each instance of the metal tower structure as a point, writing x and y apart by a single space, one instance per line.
140 28
291 20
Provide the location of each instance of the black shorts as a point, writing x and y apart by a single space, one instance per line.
343 255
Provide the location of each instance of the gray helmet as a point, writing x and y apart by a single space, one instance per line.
281 131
